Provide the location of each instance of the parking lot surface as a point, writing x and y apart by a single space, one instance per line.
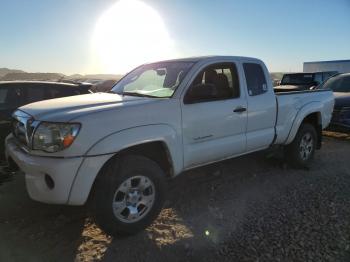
254 208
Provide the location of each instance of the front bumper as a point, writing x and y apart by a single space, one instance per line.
73 177
61 170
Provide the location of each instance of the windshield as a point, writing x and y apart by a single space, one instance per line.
297 79
339 83
153 80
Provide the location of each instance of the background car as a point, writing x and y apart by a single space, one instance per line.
340 84
302 81
17 93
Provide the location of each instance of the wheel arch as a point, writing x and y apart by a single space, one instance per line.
315 120
162 148
157 151
311 113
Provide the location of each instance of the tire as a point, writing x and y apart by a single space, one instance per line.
301 151
128 195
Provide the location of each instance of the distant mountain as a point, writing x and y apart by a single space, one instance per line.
75 76
104 76
5 71
95 76
100 82
31 76
7 74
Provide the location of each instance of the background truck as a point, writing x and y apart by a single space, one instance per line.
303 81
117 149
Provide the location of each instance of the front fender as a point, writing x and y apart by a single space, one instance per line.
98 154
312 107
126 138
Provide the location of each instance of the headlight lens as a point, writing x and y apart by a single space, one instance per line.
53 137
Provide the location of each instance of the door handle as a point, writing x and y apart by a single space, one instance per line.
239 109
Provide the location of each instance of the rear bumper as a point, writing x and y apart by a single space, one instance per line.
72 177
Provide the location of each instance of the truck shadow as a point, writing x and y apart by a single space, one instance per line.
203 206
32 231
5 175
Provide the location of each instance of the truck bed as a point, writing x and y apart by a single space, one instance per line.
290 104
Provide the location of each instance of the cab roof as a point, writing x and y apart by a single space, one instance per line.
196 59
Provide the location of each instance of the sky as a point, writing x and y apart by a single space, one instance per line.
60 36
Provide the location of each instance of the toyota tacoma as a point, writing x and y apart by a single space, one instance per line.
117 149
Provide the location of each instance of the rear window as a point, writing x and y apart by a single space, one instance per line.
297 79
3 95
62 91
35 94
10 96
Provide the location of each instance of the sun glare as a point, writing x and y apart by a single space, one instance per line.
128 34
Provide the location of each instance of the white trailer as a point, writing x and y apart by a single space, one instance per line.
342 66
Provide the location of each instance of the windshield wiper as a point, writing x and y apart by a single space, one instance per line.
137 94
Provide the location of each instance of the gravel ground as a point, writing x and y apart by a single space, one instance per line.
254 208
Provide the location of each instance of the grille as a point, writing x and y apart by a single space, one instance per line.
22 127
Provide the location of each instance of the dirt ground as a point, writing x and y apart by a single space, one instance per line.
253 208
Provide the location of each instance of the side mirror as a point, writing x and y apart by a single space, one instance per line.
200 92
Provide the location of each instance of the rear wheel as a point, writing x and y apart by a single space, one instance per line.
301 151
128 195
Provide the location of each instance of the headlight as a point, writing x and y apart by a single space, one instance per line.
53 137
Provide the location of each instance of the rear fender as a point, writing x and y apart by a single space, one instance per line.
313 107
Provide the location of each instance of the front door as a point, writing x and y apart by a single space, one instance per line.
214 118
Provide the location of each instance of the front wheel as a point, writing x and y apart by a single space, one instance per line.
129 195
301 151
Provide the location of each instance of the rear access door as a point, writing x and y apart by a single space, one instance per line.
262 107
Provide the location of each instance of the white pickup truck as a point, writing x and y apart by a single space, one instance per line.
117 149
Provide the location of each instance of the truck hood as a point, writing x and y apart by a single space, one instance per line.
68 108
